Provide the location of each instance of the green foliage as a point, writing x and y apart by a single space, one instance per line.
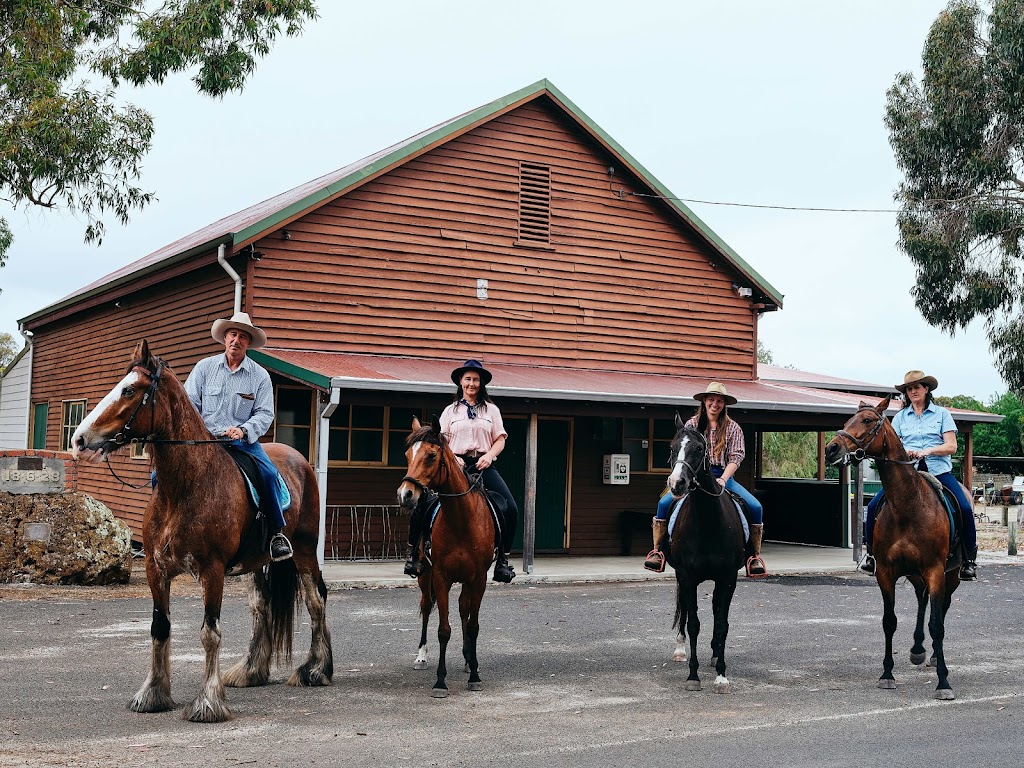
1002 439
764 355
67 143
8 349
958 137
792 454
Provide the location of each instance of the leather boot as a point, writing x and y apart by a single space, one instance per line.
503 570
968 570
867 564
756 569
280 547
656 558
413 566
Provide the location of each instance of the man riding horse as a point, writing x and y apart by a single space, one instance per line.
235 397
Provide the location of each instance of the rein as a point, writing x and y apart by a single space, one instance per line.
476 484
704 466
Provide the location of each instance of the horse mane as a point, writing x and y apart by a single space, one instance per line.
425 434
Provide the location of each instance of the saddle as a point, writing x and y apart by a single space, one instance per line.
495 504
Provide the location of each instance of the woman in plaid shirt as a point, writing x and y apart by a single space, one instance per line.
727 448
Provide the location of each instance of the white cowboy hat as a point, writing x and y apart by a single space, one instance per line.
241 322
917 377
714 388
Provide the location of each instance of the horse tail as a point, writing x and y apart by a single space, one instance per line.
679 607
283 580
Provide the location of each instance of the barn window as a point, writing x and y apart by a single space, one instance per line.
139 451
647 442
71 415
370 434
534 204
293 419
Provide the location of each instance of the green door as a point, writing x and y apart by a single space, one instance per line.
552 477
40 412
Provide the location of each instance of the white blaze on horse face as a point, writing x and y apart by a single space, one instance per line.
85 428
677 469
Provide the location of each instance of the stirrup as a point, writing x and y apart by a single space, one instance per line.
413 566
968 571
867 564
655 561
503 571
280 547
756 569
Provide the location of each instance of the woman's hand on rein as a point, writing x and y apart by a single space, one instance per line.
484 462
721 481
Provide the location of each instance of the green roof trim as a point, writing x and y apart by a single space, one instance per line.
291 370
482 114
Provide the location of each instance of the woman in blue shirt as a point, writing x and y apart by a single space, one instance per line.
928 432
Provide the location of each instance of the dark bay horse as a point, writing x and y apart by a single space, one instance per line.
706 544
197 522
462 546
911 536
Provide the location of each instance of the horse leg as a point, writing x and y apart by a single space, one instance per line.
952 582
689 594
937 629
721 600
254 667
318 668
887 585
917 652
679 653
469 608
426 606
444 634
210 705
155 693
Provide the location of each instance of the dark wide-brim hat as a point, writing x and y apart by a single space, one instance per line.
239 321
715 388
471 365
917 377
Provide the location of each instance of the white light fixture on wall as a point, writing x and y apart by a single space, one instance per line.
745 293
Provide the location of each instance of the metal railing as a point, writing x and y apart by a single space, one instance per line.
365 532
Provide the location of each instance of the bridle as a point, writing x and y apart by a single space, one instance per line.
865 442
705 465
442 464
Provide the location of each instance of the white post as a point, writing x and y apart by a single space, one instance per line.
323 441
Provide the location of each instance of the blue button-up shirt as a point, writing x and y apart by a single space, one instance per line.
225 398
926 431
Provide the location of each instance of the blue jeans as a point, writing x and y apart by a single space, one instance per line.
968 531
755 512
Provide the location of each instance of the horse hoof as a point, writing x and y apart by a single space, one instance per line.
419 664
944 694
439 693
679 656
917 658
931 661
477 686
887 684
693 685
207 711
722 686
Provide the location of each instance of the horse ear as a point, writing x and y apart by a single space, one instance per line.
141 352
882 406
415 423
865 404
679 421
435 423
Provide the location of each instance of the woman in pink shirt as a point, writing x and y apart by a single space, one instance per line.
474 430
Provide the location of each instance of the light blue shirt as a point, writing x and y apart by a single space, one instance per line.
225 398
926 431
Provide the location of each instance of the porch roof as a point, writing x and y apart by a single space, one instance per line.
327 370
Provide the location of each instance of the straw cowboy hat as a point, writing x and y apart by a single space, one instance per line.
239 321
471 365
917 377
714 388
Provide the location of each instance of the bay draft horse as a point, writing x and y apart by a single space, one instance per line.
911 536
197 522
462 546
706 543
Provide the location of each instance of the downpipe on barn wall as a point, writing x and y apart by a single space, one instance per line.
221 253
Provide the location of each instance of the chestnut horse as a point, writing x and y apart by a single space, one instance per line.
911 536
706 543
197 522
462 546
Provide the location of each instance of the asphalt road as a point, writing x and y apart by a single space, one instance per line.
574 675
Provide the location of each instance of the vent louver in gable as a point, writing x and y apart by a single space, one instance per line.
534 203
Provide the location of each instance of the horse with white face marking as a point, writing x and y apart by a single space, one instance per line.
199 520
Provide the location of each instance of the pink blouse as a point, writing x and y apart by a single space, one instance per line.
465 434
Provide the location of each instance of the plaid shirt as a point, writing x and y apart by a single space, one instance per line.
735 447
225 398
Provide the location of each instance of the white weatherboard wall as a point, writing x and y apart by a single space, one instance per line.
14 402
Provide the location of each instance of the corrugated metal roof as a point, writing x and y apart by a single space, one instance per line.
781 375
409 374
255 220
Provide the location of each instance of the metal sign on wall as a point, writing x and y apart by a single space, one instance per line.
31 474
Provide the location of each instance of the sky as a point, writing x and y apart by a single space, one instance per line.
742 101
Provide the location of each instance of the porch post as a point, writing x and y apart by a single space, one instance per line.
821 457
530 513
323 441
968 468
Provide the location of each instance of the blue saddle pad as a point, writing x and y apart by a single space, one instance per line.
284 497
679 505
